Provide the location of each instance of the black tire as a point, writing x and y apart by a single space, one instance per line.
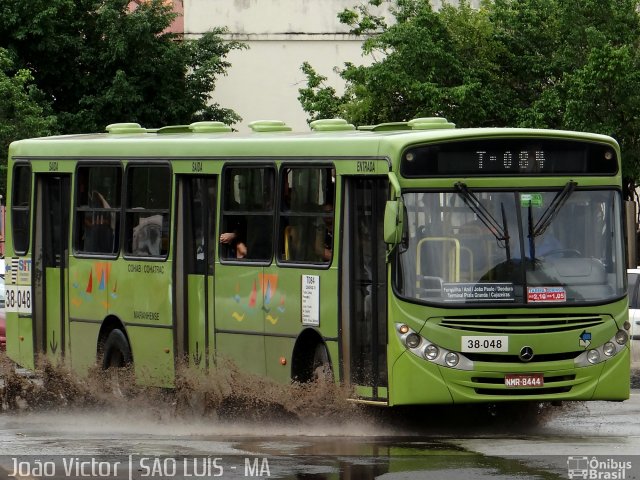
116 352
321 366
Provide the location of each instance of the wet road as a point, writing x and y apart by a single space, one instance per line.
230 425
433 442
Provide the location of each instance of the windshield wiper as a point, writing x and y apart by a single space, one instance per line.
501 232
548 215
553 208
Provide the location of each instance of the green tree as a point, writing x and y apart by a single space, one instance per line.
22 111
429 63
529 63
98 62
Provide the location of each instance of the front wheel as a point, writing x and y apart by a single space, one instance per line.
321 367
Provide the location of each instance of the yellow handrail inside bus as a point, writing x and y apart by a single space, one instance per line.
449 262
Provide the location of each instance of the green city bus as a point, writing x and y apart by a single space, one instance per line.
415 262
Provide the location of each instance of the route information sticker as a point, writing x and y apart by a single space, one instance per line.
478 292
310 300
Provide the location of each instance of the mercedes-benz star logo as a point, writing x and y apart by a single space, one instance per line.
526 354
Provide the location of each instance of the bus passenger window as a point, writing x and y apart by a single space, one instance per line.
20 208
247 214
97 209
306 215
147 211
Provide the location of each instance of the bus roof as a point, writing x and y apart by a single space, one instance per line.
332 140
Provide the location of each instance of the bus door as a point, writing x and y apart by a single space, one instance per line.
50 258
195 247
364 306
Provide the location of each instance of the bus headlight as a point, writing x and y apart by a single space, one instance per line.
431 352
593 356
425 349
621 337
604 352
412 340
451 359
609 349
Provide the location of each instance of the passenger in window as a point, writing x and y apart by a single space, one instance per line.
147 236
235 237
99 226
325 246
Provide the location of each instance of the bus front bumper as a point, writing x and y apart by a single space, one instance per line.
415 381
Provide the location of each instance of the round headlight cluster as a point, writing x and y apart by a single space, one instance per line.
593 356
622 337
431 352
412 340
609 349
451 359
422 347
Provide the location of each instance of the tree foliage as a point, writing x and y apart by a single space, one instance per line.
97 62
23 113
529 63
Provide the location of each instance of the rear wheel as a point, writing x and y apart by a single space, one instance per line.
116 358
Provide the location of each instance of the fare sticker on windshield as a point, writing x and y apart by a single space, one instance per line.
478 292
533 199
546 294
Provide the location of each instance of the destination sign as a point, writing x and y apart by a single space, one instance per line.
524 156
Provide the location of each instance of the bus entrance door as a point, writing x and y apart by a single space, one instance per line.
364 311
195 247
50 264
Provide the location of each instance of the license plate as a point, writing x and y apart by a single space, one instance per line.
528 380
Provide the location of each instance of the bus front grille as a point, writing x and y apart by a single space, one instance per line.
522 391
514 324
498 358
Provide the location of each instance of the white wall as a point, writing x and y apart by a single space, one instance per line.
263 82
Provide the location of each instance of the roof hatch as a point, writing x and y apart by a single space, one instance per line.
124 128
331 125
209 127
269 126
430 123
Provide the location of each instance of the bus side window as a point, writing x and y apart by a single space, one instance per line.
20 208
306 215
247 214
147 211
97 209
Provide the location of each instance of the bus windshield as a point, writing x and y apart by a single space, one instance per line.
551 246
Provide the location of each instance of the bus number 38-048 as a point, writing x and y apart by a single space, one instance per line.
18 299
486 344
482 343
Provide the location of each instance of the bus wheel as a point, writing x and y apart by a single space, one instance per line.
116 356
321 367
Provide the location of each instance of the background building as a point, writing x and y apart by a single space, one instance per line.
263 82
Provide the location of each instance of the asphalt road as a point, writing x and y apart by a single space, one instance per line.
59 426
442 443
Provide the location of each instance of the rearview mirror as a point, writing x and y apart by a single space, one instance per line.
393 221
